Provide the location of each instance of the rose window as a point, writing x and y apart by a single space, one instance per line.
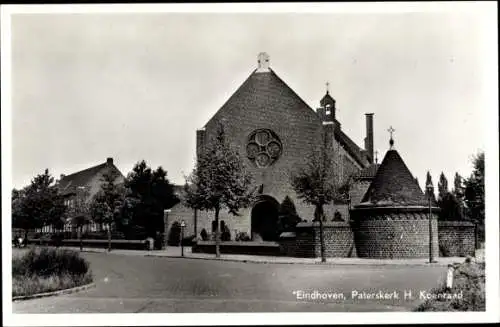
264 147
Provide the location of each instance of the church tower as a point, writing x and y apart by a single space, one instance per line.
326 111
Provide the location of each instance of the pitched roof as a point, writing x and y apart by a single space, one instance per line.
394 184
351 147
69 183
265 90
368 172
268 90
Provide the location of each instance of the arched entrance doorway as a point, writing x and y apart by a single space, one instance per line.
264 218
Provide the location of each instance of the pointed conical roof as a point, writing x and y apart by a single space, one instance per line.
394 184
327 100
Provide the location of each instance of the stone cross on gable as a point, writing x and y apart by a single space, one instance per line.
263 62
327 87
376 156
391 141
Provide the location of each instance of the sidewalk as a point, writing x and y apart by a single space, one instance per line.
175 252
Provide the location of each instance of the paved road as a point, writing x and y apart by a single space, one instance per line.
126 284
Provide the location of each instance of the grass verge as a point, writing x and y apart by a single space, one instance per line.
467 294
41 270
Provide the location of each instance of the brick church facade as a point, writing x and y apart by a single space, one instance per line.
275 131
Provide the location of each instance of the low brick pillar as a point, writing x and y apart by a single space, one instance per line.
304 240
287 242
456 238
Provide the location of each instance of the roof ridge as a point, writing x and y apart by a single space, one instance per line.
357 151
291 89
231 97
85 170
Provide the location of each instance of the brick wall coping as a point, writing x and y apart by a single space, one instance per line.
325 224
390 208
238 243
288 235
455 223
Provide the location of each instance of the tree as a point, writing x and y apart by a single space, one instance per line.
428 181
219 181
450 205
38 204
459 193
19 217
317 184
106 205
458 187
451 208
102 214
149 193
442 187
474 194
80 211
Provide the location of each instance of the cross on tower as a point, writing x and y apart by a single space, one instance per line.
327 87
391 141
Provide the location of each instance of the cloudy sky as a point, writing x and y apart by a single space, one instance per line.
137 86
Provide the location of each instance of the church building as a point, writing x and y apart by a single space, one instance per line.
275 132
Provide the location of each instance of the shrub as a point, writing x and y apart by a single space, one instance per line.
174 237
48 269
28 285
159 241
57 239
204 234
95 235
242 237
188 241
337 216
226 234
135 233
49 261
469 279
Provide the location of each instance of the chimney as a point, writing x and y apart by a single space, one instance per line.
109 161
200 141
369 137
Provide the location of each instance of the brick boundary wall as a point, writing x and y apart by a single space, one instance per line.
456 238
304 241
233 247
338 238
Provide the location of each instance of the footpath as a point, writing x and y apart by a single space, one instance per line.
176 252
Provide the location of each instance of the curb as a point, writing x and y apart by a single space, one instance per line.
54 293
301 263
328 263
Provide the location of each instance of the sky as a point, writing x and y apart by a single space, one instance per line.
136 86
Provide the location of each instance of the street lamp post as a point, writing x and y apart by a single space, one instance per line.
165 228
430 188
183 224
